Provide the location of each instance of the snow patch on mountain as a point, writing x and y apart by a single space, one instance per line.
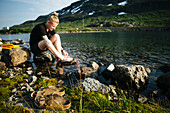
92 13
109 4
122 13
123 3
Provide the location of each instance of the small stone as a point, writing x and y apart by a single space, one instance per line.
142 98
32 80
95 66
23 88
148 70
14 90
39 73
30 89
29 68
29 72
111 67
45 78
11 98
112 87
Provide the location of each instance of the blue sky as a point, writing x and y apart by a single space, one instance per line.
15 12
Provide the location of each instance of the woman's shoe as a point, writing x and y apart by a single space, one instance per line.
59 103
41 96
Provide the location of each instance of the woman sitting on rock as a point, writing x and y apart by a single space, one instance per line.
43 37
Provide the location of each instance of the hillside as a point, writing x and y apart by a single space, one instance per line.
110 13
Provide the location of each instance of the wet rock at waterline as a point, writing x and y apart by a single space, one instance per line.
88 72
18 41
14 57
128 76
163 82
91 71
43 57
2 65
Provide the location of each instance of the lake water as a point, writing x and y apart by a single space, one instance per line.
151 49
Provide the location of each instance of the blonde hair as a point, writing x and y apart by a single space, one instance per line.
53 18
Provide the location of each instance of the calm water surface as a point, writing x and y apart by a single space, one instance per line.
151 49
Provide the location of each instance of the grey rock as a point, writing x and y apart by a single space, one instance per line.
91 84
128 76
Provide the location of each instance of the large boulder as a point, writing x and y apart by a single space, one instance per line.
163 82
14 57
128 76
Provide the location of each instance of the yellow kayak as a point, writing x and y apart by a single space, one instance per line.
9 46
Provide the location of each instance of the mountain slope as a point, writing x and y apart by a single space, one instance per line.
111 13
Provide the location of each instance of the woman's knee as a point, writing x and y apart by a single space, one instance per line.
55 38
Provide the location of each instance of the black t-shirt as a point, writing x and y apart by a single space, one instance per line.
38 32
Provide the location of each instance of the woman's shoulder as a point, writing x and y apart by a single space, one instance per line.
41 25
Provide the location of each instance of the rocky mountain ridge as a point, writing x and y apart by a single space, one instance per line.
84 9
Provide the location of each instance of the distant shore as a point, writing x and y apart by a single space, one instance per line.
117 29
103 29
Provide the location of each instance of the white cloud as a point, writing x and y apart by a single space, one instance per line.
47 5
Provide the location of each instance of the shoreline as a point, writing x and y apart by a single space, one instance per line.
127 29
110 29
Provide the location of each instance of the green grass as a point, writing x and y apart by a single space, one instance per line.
82 101
97 102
